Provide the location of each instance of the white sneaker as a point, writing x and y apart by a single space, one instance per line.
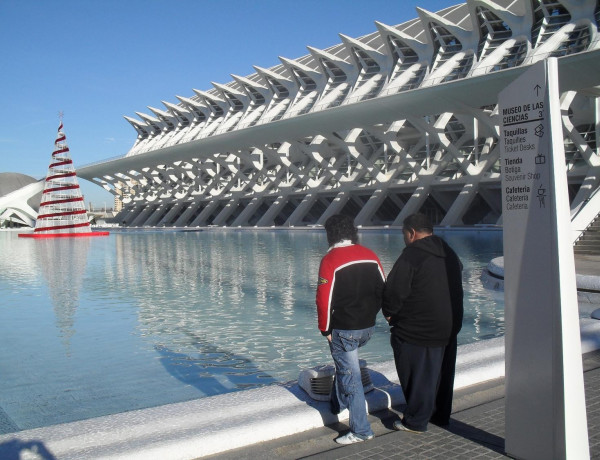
351 438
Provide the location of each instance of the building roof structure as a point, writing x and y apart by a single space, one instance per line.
9 182
19 199
401 120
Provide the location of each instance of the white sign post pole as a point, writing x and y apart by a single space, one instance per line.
545 401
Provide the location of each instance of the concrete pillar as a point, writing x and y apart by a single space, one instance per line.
226 212
131 213
375 201
184 218
143 216
157 215
248 212
269 216
412 205
460 205
334 207
166 220
205 214
302 209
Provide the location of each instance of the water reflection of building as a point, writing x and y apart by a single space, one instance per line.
380 126
63 262
236 291
18 258
218 267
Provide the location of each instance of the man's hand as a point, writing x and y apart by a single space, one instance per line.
387 318
328 337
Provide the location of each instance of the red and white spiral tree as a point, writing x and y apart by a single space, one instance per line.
62 209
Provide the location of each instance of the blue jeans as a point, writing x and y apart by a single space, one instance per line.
348 390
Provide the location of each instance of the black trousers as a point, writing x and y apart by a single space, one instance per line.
418 370
443 400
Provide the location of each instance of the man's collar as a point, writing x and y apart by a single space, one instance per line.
341 244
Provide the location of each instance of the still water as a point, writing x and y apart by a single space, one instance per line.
96 326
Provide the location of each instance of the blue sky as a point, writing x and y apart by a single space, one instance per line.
99 60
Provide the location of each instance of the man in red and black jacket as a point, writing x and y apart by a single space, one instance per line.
349 296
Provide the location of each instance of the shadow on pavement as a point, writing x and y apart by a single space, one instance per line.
15 449
477 435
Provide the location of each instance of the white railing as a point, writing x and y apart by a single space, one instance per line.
585 216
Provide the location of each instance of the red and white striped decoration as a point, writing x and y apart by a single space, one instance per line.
62 209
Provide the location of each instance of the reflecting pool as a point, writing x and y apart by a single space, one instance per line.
96 326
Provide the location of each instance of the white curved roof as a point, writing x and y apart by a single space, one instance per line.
470 39
9 182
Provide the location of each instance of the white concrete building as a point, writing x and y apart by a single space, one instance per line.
20 197
401 120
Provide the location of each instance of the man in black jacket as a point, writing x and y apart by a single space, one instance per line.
423 303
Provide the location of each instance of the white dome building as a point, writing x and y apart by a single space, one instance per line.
20 197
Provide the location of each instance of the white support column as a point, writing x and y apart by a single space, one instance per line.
156 215
269 216
413 204
490 198
131 213
120 218
184 218
143 216
226 212
301 210
335 207
375 201
205 213
545 411
248 212
460 205
166 220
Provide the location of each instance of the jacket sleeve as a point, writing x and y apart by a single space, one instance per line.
380 284
454 269
324 294
397 288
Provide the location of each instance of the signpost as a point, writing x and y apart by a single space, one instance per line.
545 401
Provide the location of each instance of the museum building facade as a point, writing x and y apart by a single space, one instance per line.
402 120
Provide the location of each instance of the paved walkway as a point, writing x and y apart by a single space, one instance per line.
476 430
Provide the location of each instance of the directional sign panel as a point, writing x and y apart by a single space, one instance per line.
525 144
545 403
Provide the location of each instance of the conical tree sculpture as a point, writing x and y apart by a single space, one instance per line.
62 209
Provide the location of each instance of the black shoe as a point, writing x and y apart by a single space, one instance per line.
442 423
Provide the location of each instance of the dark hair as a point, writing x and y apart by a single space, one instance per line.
418 222
340 227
